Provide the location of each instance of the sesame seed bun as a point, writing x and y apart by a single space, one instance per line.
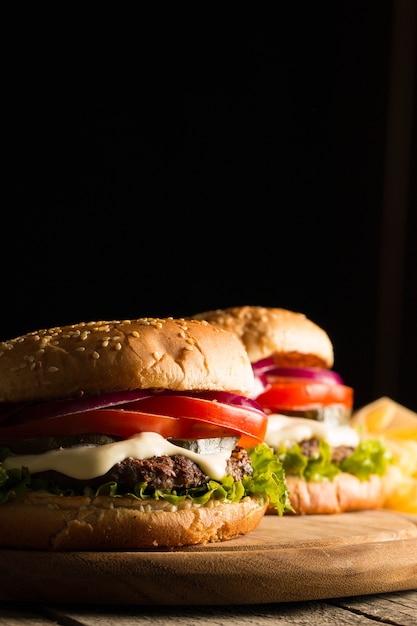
290 338
96 357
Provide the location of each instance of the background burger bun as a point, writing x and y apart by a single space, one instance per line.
290 338
90 358
345 492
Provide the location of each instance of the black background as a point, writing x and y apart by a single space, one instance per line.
155 171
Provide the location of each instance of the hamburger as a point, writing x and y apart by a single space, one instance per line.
328 467
134 434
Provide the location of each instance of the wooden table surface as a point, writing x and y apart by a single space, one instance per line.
397 608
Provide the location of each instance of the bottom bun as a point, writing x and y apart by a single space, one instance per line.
62 523
345 493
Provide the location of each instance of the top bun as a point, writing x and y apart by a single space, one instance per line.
97 357
291 339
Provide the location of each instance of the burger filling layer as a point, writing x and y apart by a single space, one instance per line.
145 466
317 451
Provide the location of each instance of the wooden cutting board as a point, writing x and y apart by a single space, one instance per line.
285 559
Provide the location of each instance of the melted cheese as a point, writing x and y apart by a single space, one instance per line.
291 430
88 461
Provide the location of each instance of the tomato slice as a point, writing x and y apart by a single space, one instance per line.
244 420
176 417
304 396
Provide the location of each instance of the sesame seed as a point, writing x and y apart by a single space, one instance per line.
80 349
135 333
103 329
118 346
156 356
95 355
189 348
105 343
53 369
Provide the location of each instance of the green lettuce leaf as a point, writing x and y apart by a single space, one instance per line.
13 483
268 478
370 457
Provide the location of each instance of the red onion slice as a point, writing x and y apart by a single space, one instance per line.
266 368
46 410
263 366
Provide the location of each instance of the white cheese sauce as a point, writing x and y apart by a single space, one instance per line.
291 430
89 461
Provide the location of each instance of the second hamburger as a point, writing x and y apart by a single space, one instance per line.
328 467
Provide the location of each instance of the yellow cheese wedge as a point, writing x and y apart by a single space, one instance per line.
384 415
396 427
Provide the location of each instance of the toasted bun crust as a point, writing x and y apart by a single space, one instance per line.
290 338
345 493
96 357
42 522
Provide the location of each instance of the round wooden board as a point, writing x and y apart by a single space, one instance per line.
285 559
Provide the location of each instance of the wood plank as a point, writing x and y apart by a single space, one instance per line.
392 608
399 608
395 608
297 614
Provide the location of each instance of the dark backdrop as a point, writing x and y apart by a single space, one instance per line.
212 166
